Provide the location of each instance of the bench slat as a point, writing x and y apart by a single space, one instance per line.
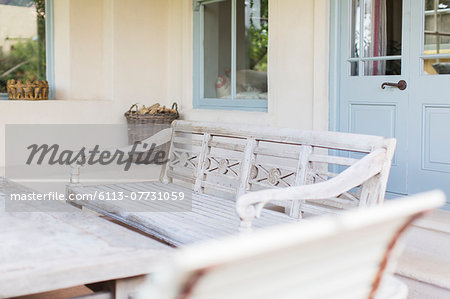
332 159
334 140
227 146
210 216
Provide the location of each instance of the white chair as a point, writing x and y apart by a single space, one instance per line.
335 257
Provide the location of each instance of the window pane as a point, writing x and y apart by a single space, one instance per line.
437 66
22 41
382 67
354 68
382 28
437 36
437 27
217 50
435 15
252 31
356 29
437 44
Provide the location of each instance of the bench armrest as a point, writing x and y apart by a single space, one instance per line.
250 205
158 139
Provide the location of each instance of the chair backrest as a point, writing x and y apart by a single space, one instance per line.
231 160
329 257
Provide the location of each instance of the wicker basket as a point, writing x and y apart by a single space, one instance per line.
28 90
142 126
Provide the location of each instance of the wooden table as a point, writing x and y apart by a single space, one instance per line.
45 251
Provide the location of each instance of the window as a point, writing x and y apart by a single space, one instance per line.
230 46
376 45
436 52
26 38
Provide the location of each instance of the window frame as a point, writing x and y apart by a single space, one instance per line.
198 76
49 48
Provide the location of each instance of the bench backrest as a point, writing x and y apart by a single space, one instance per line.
329 257
230 160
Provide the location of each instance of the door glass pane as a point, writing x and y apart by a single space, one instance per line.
217 50
356 29
383 67
437 66
382 28
252 32
435 44
354 68
378 34
22 41
437 36
435 11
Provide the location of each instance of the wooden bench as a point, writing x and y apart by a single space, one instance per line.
347 256
213 164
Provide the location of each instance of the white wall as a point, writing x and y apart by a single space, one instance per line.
110 54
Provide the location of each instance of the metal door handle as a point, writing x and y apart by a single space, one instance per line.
400 85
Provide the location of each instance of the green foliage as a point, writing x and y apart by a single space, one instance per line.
40 9
258 38
27 58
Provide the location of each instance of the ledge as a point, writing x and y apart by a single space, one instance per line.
438 220
54 101
426 257
430 269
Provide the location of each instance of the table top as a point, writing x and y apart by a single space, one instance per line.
44 251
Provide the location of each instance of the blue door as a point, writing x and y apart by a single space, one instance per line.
429 140
372 52
393 79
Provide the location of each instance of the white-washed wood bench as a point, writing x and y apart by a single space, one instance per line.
347 256
213 164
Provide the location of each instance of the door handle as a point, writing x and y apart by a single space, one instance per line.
400 85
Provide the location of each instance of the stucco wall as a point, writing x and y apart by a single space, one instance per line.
110 54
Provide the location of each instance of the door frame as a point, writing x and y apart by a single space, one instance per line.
335 65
